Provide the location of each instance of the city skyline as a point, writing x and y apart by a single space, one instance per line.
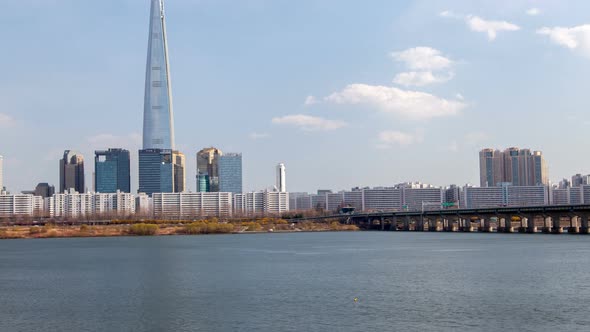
312 119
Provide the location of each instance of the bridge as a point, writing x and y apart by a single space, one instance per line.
532 219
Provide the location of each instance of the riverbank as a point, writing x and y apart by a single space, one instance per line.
164 229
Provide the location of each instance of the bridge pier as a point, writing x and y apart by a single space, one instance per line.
531 227
393 224
407 223
574 225
547 224
584 225
433 224
487 225
467 226
556 228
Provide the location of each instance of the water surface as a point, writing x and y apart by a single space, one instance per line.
297 282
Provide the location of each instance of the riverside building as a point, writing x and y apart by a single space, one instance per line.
230 173
112 171
519 167
71 172
161 171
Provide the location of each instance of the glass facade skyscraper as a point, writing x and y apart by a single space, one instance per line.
111 171
230 173
71 172
158 119
208 169
161 171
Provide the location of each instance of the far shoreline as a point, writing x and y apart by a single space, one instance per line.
155 230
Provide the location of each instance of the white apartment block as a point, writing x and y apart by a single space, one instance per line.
76 205
21 205
191 205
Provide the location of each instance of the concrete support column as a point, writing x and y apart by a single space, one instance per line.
556 229
523 225
407 223
574 225
382 221
433 224
393 225
531 227
584 229
467 226
547 224
487 225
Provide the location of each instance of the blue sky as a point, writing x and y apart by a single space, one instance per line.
345 93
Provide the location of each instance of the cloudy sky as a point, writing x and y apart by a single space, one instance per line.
345 93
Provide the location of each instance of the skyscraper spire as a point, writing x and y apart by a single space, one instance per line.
158 119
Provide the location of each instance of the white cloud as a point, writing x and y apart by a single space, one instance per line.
478 24
413 105
309 123
421 78
533 11
6 121
256 136
310 100
422 58
574 38
105 141
391 138
492 28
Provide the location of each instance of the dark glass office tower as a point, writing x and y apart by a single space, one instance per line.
161 171
71 172
112 171
230 173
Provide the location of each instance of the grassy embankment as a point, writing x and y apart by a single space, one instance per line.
168 227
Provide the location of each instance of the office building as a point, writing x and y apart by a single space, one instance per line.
208 169
580 180
519 167
158 119
161 171
44 190
71 172
1 174
281 181
230 173
112 171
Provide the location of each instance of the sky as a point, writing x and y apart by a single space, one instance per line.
345 93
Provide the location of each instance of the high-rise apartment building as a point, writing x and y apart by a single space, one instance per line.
281 181
71 172
112 171
208 169
230 173
158 119
519 167
161 171
1 173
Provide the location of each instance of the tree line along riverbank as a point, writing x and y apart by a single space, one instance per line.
168 227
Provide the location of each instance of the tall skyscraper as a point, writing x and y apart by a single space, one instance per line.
281 181
112 171
1 173
161 171
519 167
158 119
491 167
71 172
230 173
208 168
